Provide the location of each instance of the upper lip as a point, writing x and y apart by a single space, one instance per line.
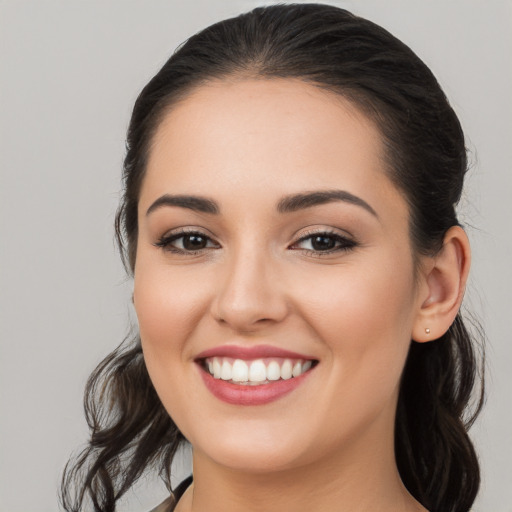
251 352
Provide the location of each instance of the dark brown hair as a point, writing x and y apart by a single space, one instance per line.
426 159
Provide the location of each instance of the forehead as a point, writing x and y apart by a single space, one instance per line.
264 137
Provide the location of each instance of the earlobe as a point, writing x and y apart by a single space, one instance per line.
445 282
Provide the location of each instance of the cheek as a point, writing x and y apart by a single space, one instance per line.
168 306
366 324
366 318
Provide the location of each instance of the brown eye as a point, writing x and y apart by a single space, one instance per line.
194 242
323 243
186 242
318 243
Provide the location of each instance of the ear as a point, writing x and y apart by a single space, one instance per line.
443 287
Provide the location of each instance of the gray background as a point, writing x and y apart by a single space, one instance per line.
70 71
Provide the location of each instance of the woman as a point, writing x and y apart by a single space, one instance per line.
289 220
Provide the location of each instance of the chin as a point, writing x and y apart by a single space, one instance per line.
255 459
254 449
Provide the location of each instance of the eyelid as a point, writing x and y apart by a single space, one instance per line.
324 230
164 242
345 241
186 230
348 241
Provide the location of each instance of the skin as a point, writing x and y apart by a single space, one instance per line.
328 445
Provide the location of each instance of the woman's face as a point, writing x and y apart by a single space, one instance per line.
271 241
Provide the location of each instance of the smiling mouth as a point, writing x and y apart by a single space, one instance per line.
255 372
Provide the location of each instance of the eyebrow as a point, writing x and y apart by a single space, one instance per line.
195 203
288 204
301 201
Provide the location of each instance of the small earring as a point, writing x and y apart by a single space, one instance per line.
427 330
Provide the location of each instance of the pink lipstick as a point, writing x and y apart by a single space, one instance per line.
253 375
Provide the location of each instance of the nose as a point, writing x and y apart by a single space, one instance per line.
250 294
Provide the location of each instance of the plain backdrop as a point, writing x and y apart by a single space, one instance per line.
70 72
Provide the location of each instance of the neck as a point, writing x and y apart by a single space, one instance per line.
361 478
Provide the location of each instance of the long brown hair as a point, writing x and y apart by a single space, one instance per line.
426 159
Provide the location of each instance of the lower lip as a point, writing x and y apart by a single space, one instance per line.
251 395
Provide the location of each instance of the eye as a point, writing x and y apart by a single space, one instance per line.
186 242
324 242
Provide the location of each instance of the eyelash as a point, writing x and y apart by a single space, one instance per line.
344 244
165 242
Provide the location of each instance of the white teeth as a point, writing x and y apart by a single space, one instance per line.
286 370
217 367
255 372
306 366
273 371
240 371
226 372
